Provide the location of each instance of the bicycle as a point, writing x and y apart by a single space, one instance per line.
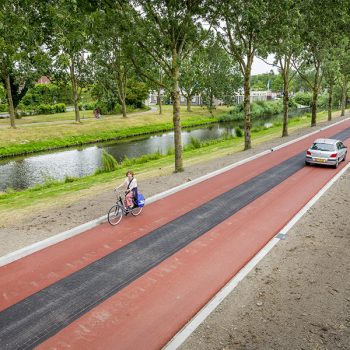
116 213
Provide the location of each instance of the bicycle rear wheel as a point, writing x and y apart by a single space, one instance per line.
115 214
136 211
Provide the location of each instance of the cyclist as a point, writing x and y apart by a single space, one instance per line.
131 189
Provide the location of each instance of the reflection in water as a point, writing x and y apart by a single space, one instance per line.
26 171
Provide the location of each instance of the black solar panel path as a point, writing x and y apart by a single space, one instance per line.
36 318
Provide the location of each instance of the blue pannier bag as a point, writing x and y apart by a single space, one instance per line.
140 200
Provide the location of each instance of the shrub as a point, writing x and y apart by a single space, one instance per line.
127 162
89 106
109 163
60 107
194 142
322 101
3 107
266 108
69 179
43 108
303 98
170 151
230 117
239 132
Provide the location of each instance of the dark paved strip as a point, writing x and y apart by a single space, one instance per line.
38 317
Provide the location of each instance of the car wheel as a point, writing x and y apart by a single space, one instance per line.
344 159
307 163
335 166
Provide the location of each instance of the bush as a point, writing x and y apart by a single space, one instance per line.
44 108
266 108
90 106
4 107
60 107
322 101
109 163
258 109
69 179
47 94
108 107
127 162
303 98
239 132
170 151
230 117
194 142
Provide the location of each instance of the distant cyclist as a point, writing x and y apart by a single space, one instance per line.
131 189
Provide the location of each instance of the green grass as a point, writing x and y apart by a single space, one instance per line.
39 137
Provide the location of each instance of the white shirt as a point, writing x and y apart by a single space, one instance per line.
133 183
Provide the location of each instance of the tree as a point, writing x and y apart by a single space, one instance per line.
166 32
331 73
219 76
190 77
284 38
68 45
318 39
109 53
344 76
242 30
22 58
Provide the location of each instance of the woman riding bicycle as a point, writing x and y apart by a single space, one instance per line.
131 189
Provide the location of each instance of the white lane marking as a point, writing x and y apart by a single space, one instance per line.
199 318
30 249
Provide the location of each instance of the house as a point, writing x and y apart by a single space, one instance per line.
153 99
256 96
44 80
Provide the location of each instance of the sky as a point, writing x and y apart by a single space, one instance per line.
260 66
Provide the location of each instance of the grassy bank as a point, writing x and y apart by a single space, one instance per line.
147 166
58 134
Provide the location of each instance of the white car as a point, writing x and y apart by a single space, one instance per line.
327 152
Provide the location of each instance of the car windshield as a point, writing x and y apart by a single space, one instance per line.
323 147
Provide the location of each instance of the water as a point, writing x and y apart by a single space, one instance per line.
27 171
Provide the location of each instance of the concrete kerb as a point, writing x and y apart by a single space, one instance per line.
20 253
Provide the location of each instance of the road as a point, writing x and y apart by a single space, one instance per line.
135 285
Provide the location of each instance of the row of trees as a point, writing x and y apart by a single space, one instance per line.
202 46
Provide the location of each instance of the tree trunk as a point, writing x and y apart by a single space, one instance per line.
74 91
159 98
123 107
10 102
285 103
330 101
121 87
189 103
314 106
175 94
343 98
315 96
246 108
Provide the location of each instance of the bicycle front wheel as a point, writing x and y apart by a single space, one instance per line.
115 214
136 211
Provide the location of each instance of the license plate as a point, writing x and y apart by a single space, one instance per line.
321 160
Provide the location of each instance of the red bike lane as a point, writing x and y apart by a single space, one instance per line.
153 308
